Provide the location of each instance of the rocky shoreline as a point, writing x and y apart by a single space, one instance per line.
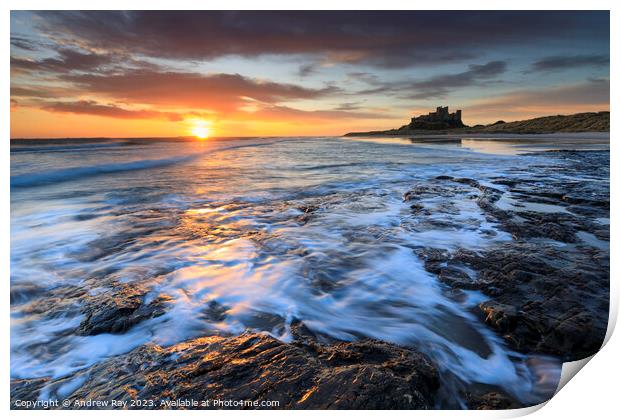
546 292
367 374
548 289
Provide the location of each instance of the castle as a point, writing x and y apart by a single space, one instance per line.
438 120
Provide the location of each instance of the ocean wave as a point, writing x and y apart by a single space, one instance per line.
64 147
68 174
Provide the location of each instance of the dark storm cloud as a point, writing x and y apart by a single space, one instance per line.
440 85
569 62
380 38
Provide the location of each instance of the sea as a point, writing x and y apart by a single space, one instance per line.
257 233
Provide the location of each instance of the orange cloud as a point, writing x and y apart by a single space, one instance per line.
224 92
93 108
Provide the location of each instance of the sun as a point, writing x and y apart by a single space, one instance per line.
200 129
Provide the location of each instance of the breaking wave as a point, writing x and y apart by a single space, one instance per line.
68 174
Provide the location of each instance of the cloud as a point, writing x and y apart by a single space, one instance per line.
592 95
308 69
349 106
192 90
441 85
365 77
33 91
263 113
68 60
282 113
437 86
391 39
73 60
23 43
112 111
569 62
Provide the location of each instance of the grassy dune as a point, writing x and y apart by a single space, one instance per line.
586 121
575 123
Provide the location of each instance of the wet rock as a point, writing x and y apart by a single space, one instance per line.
468 181
585 198
434 258
574 330
488 233
417 209
368 374
505 181
456 278
23 292
556 226
51 303
119 310
436 223
424 190
493 400
310 208
544 299
264 321
215 312
26 390
586 201
502 317
308 212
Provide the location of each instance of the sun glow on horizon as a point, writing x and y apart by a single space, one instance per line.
200 129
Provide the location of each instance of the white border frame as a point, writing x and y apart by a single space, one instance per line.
592 395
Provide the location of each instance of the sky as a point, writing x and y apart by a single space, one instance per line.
270 73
